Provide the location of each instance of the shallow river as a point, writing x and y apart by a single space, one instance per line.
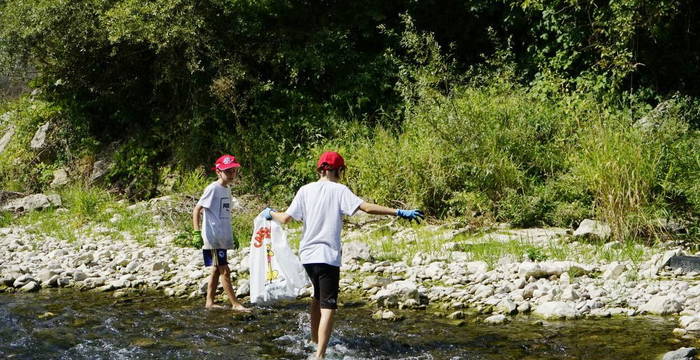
69 324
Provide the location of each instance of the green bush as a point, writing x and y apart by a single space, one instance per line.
186 240
568 214
6 218
21 168
86 203
521 210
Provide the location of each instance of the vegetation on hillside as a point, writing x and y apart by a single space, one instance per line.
534 112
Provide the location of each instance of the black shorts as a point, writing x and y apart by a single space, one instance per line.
326 279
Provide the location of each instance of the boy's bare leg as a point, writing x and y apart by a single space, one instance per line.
315 311
325 328
228 288
211 288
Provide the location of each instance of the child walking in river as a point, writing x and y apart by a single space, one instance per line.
215 230
321 205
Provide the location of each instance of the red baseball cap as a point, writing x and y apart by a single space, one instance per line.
331 159
225 162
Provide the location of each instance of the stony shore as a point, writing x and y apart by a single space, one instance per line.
449 283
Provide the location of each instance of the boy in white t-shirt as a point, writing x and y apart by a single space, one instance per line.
215 230
321 205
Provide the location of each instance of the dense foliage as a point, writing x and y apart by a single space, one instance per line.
524 110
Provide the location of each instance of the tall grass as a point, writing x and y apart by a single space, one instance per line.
619 167
87 203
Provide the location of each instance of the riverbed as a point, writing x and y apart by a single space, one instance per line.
70 324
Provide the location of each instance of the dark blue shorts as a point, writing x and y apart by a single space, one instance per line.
215 257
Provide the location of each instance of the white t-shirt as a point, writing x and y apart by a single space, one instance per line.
216 225
321 206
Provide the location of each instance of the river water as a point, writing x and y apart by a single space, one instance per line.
69 324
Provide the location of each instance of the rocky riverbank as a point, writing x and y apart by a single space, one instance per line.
447 280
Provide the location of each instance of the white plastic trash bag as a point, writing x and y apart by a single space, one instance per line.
275 272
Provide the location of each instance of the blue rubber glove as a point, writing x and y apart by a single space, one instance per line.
267 213
409 215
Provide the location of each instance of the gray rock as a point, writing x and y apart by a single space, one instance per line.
39 140
399 292
593 228
29 203
133 266
60 178
160 265
356 250
523 307
656 117
22 280
555 310
385 315
681 354
51 282
6 138
105 288
99 169
569 294
30 287
46 275
614 270
63 281
243 288
79 275
684 263
661 305
456 315
495 319
9 278
374 281
507 307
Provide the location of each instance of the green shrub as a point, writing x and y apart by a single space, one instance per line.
193 182
86 203
521 210
6 218
186 240
568 214
21 168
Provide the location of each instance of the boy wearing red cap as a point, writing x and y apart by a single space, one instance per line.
215 230
321 205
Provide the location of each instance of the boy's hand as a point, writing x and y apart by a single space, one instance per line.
409 215
267 213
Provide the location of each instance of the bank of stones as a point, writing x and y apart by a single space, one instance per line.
448 284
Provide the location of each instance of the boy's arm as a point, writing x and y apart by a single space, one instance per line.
280 217
376 209
197 217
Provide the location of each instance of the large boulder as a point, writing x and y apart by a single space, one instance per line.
550 268
39 140
99 169
662 305
398 293
614 270
60 178
593 229
32 202
555 310
6 137
6 196
356 250
681 354
656 117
